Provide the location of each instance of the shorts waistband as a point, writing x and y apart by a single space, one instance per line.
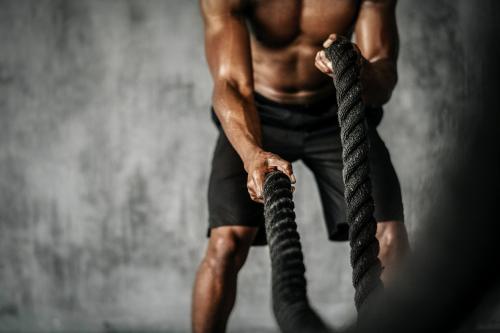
308 116
297 117
315 108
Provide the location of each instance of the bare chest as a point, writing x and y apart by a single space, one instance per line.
279 23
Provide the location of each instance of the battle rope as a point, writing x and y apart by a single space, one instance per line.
353 133
290 303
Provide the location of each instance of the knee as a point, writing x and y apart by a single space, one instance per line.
392 238
226 254
387 244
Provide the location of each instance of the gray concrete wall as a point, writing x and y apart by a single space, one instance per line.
105 147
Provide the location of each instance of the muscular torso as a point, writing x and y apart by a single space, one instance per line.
285 36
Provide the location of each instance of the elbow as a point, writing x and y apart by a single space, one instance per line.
228 86
379 91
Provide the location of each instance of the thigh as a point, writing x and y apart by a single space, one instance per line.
323 156
229 203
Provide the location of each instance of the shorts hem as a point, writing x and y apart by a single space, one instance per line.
260 237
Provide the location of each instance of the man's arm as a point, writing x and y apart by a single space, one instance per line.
376 36
227 46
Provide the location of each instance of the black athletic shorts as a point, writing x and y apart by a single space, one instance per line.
301 132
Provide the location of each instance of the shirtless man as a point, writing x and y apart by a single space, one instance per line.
274 103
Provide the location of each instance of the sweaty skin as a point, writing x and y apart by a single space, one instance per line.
275 48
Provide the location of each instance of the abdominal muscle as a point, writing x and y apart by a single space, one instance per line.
288 75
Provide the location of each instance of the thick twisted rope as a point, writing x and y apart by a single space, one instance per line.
290 303
362 225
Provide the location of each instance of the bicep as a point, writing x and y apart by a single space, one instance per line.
227 42
376 30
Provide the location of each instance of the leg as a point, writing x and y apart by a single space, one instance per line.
234 221
386 190
394 245
215 286
233 224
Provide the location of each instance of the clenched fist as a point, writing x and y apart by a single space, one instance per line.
325 65
257 167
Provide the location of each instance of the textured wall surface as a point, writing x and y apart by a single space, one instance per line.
105 148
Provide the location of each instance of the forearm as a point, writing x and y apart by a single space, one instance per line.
378 79
235 109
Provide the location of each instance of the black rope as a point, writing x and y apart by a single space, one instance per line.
353 133
290 303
